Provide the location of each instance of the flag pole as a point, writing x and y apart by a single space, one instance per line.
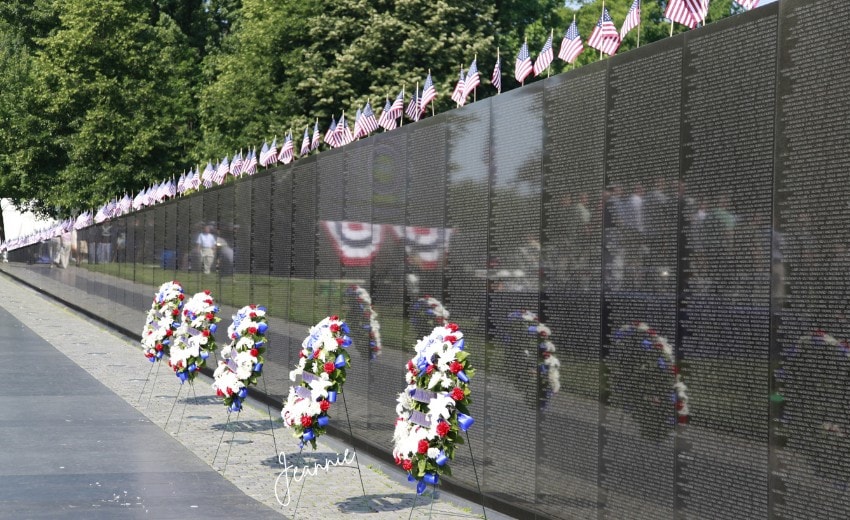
475 89
522 83
603 12
640 15
402 106
498 62
549 68
432 101
457 103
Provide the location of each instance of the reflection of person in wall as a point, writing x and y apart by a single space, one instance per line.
206 242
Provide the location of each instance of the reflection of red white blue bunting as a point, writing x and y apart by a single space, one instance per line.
357 243
424 245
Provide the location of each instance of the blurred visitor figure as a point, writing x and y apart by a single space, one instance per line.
67 239
206 248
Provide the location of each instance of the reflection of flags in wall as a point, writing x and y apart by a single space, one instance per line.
605 37
571 45
356 243
424 246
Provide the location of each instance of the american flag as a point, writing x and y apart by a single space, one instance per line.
429 93
398 105
571 46
523 65
458 94
287 150
473 79
544 59
387 121
632 19
207 176
496 79
236 165
685 12
412 110
605 37
251 163
330 135
181 183
368 123
305 144
264 155
222 171
343 133
357 129
273 155
748 4
317 137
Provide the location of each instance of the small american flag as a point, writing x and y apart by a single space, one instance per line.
317 137
398 105
287 150
496 79
748 4
458 93
412 110
343 133
632 19
605 37
209 173
368 123
222 171
387 121
523 65
264 156
330 135
473 79
181 183
273 157
684 12
544 59
429 93
251 163
357 130
571 46
236 165
305 144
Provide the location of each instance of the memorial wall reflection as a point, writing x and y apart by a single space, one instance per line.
648 257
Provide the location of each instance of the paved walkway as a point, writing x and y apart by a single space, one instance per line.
91 431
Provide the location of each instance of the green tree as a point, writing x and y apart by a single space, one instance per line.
250 91
116 98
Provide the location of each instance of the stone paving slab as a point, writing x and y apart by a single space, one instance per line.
245 448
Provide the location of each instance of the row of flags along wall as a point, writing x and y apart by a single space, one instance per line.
605 38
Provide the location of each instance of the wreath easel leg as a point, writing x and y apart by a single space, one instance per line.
223 431
150 371
475 471
351 434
